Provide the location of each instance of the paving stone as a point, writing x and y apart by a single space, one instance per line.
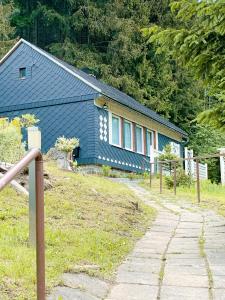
217 270
179 255
186 262
137 277
133 292
92 285
188 280
70 294
219 294
140 267
219 282
195 270
183 293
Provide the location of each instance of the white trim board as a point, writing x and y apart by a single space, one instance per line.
50 58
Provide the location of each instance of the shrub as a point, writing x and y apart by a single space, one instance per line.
28 120
106 170
66 144
182 179
11 147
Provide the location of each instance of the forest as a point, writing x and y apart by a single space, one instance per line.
169 55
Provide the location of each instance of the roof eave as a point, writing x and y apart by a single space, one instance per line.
180 131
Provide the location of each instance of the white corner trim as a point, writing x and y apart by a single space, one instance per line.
50 58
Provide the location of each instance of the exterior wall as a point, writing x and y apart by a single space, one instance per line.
107 154
165 140
72 119
63 103
45 81
121 158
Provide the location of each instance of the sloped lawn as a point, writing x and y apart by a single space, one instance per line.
89 220
212 194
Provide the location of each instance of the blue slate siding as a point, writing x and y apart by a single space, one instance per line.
45 80
73 119
116 157
165 140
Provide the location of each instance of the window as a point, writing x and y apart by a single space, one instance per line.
139 139
148 142
22 73
127 135
115 131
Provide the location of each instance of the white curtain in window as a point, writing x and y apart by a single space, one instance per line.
115 131
127 135
139 139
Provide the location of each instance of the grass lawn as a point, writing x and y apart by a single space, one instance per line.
89 220
212 195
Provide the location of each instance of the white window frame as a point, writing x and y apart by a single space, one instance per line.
152 142
132 138
111 116
142 134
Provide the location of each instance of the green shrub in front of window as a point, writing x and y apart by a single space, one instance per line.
12 148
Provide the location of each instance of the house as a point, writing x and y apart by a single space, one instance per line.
114 129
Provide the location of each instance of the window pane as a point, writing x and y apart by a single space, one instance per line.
115 131
148 142
139 139
22 73
127 135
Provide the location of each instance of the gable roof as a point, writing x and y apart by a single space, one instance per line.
101 87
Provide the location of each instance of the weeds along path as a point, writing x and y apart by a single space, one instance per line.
182 255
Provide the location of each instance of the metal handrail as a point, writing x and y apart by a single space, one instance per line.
36 155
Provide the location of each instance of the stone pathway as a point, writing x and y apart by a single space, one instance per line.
182 256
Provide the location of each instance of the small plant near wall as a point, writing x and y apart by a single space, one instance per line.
66 146
28 120
106 170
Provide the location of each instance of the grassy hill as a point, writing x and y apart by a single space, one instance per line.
89 221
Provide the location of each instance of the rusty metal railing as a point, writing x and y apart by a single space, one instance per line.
36 155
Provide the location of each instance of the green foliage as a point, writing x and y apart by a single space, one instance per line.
168 155
106 170
11 147
28 120
181 179
206 140
198 43
6 30
66 144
